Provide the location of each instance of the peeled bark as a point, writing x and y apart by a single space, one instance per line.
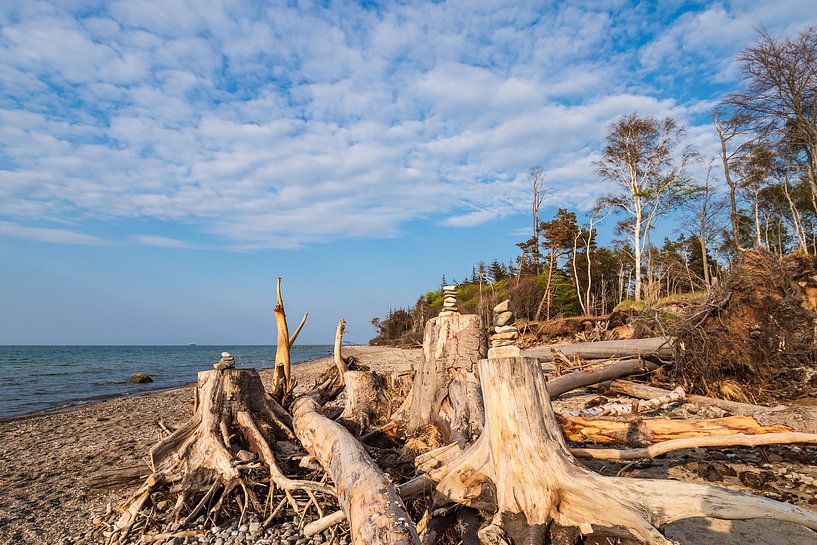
639 432
521 476
369 499
445 393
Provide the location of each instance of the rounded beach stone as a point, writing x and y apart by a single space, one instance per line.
140 378
505 328
504 306
504 318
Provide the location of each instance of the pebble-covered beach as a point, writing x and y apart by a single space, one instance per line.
46 460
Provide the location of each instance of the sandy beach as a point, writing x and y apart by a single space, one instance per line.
46 460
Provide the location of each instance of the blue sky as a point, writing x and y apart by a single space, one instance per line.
162 161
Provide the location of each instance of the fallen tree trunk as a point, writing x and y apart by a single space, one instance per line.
639 432
660 347
643 391
608 371
520 475
370 501
410 489
738 440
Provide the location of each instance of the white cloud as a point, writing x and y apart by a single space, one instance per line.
161 242
44 234
277 126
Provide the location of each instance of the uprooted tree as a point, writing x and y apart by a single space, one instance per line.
507 467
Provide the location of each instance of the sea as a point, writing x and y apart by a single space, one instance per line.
45 378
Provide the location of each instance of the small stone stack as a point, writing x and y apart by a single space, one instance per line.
505 332
226 362
449 301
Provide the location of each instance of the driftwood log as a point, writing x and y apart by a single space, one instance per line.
520 475
660 347
608 371
657 449
446 393
367 496
638 431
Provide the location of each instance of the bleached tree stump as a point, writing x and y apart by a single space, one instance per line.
446 393
520 475
207 461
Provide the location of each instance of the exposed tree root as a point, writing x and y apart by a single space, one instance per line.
217 457
521 476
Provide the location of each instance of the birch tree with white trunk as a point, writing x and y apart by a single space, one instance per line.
642 158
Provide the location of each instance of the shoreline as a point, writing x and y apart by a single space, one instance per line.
62 406
47 458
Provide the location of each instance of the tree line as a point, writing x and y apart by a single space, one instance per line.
758 190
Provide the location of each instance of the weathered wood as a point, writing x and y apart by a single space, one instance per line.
652 430
282 374
445 393
365 403
657 449
415 487
660 347
340 362
643 391
618 408
587 377
122 476
200 459
521 474
370 501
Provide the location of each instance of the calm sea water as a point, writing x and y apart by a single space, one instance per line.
37 378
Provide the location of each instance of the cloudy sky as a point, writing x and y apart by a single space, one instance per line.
162 161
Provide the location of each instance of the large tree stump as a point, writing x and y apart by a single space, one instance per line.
206 463
445 393
520 475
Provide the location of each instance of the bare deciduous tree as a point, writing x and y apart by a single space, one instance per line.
780 95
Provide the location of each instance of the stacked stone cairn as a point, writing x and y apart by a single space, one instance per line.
504 331
449 301
226 362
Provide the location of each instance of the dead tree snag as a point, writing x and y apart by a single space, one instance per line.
365 403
